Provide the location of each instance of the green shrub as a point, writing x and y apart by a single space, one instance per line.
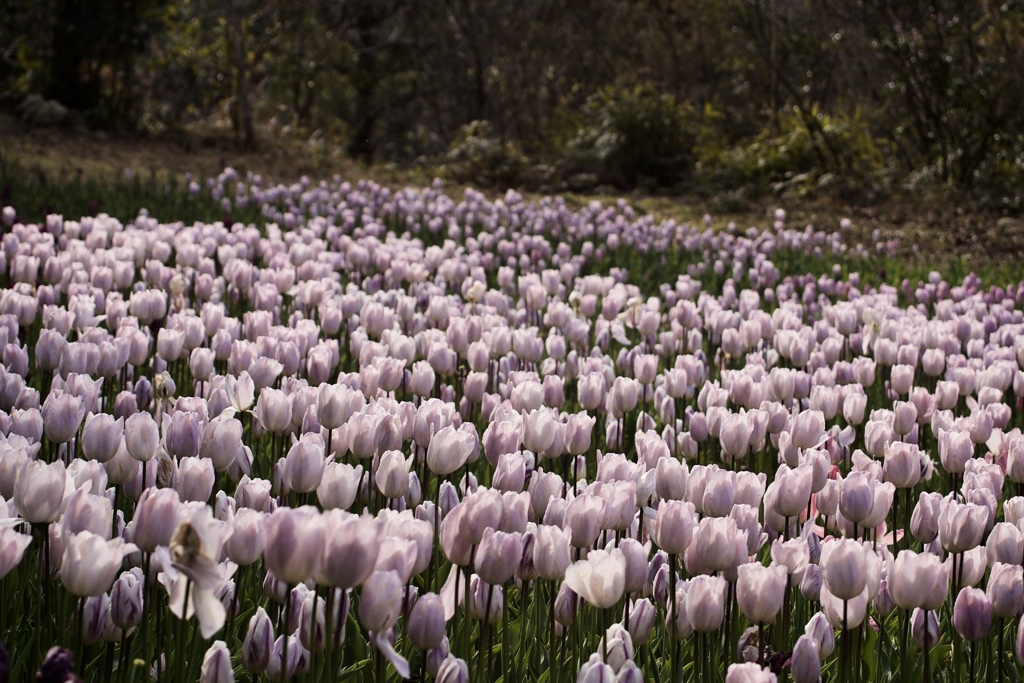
797 156
479 156
635 136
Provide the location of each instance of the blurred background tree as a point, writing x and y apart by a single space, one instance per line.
856 97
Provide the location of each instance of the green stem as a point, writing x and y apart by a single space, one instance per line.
283 628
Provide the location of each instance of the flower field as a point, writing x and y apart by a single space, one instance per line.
381 435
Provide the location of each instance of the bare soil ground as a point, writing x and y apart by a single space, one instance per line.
925 224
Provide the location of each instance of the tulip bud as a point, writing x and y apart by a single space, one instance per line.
126 600
924 629
94 618
883 603
972 614
822 633
641 621
805 662
426 622
595 671
810 583
924 522
760 591
312 623
258 643
451 669
616 647
217 665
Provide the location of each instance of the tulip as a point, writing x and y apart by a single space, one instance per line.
194 479
1019 644
101 437
844 568
551 552
810 583
245 544
86 512
493 553
450 449
844 614
141 436
304 464
584 517
337 489
822 633
794 555
1005 544
486 601
427 622
274 410
241 391
918 580
1005 590
760 591
673 528
216 666
856 497
735 436
221 442
392 475
961 526
350 550
62 415
924 522
640 620
902 465
805 662
600 579
91 563
380 601
719 492
452 670
259 643
12 549
705 603
126 600
294 540
924 629
749 673
39 491
972 614
793 490
156 517
955 449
